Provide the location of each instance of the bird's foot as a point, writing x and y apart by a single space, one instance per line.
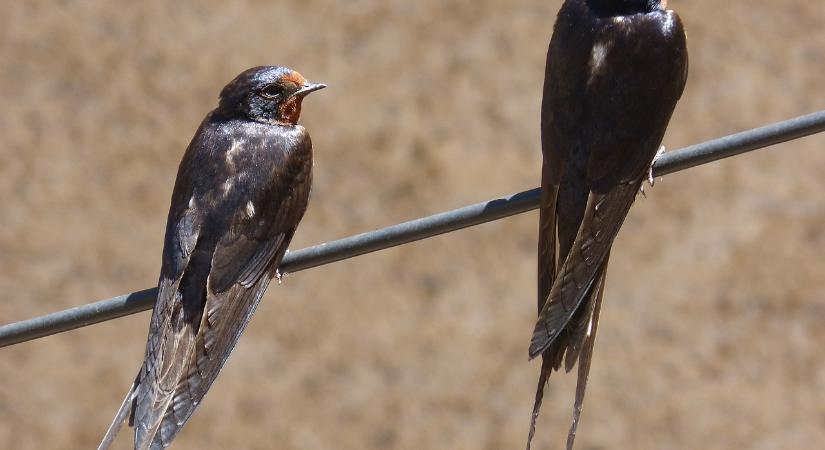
650 179
659 154
278 274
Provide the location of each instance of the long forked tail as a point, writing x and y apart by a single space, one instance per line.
122 415
575 345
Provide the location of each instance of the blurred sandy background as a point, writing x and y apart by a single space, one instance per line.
712 328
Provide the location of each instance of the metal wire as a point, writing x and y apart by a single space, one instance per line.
414 230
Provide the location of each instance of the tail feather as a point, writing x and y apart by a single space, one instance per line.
546 370
584 360
547 261
122 415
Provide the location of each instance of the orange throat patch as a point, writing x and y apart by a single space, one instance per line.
290 111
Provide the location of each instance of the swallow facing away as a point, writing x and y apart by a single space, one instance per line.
615 70
241 189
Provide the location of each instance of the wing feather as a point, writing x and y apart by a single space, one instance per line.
242 259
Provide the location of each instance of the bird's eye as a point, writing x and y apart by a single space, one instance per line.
271 91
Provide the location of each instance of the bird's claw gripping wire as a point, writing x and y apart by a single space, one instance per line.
650 179
280 275
659 153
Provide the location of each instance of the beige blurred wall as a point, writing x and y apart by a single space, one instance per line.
712 328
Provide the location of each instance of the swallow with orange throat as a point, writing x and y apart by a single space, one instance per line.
241 190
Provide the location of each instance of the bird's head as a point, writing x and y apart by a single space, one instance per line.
267 94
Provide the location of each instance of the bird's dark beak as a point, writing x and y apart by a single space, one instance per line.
308 87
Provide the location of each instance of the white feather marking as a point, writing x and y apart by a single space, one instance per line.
250 209
227 185
597 59
236 146
233 152
667 26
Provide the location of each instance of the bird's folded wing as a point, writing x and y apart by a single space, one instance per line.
242 259
226 315
172 338
583 328
173 326
603 218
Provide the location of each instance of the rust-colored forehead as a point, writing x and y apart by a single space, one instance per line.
294 77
